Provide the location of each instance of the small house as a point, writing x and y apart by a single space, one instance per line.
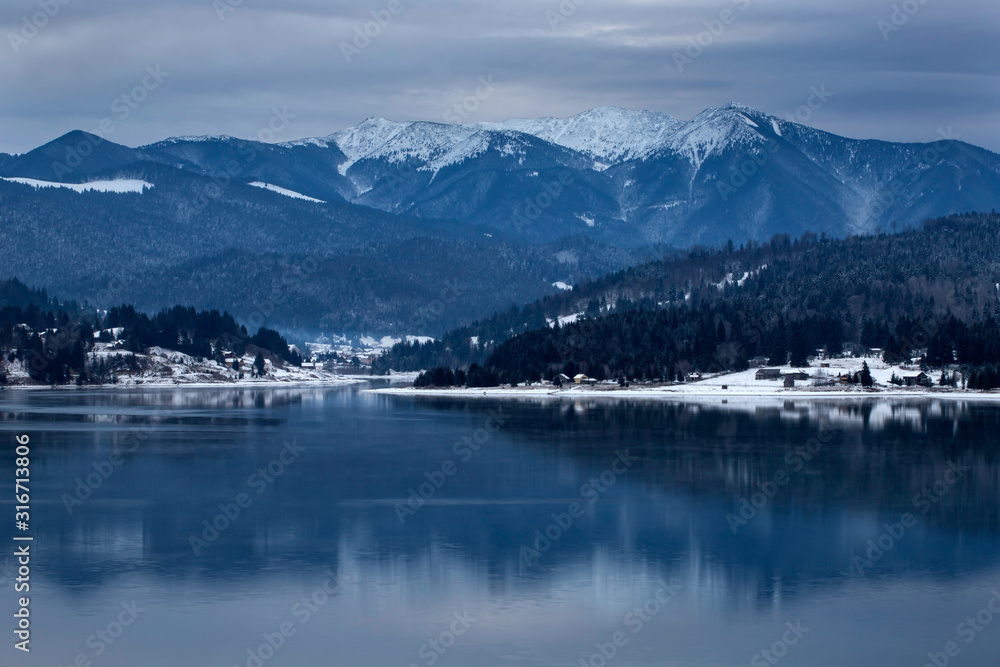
789 381
769 374
580 378
919 379
797 375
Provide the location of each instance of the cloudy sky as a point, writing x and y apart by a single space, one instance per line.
225 65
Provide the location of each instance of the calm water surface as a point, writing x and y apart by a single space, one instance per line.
548 532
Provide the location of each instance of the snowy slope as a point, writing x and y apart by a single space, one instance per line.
362 140
713 131
506 144
423 142
284 191
118 186
607 134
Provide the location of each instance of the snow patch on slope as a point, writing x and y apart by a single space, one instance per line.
506 144
606 133
283 191
362 140
711 131
118 186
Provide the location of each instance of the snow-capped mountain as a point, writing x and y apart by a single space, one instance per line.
607 134
624 177
362 223
631 177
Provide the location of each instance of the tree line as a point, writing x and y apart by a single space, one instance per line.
929 293
54 341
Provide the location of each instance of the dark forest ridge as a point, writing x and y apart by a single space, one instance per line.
932 292
358 231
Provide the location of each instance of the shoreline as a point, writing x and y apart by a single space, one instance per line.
661 393
181 385
333 381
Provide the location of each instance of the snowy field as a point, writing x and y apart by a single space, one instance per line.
119 186
167 368
742 385
284 191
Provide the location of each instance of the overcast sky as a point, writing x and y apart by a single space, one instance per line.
226 64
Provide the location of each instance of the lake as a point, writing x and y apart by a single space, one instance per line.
328 526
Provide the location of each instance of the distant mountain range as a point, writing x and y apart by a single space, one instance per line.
533 202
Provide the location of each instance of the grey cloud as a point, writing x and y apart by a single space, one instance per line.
941 67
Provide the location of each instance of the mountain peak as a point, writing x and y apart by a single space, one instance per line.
607 134
74 136
736 106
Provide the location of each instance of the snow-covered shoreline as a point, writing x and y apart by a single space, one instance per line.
671 393
159 368
332 381
743 385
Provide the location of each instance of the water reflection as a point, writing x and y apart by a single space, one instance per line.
191 453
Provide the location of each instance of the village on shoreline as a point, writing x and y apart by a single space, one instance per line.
827 378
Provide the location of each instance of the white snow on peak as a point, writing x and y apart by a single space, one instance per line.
605 133
423 141
713 130
362 140
506 144
313 141
118 186
776 127
283 191
195 139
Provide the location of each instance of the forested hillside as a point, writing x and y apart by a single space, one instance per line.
55 343
933 292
